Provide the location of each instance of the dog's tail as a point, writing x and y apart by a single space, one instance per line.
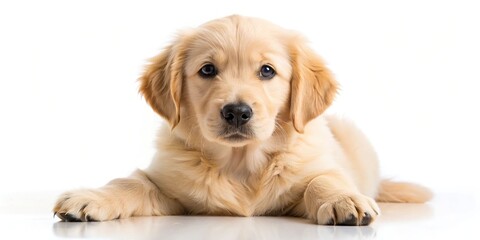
402 192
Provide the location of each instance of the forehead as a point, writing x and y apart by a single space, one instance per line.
237 41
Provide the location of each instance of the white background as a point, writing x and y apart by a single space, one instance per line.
71 116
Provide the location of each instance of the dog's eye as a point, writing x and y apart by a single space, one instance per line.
208 71
267 72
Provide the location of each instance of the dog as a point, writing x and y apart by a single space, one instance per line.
246 136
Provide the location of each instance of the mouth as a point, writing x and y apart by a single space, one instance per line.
236 135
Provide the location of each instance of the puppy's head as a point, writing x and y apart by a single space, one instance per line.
237 78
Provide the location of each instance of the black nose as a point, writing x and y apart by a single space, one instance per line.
236 114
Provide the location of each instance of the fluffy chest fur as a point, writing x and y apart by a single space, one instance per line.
252 180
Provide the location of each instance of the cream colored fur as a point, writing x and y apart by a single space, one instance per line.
294 161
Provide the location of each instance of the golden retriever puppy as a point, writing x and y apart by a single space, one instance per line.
246 136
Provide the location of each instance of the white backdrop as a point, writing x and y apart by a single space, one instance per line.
70 114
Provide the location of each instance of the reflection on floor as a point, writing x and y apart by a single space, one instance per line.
447 216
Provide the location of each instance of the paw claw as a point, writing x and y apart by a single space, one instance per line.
350 221
61 216
90 219
67 217
330 222
366 219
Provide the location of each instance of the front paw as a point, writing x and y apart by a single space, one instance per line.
86 205
347 209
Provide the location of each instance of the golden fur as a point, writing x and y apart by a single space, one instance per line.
292 161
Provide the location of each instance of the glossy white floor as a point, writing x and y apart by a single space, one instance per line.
448 216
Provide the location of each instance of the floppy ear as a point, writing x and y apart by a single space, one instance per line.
161 83
313 87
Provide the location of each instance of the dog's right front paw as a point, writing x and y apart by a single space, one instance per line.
86 205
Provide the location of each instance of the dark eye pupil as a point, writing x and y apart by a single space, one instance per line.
208 70
267 72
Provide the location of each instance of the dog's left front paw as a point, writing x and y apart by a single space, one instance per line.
348 209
